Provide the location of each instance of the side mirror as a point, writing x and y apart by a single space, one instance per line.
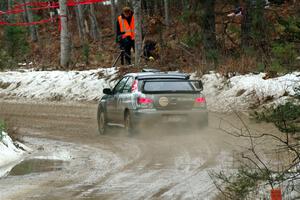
200 85
107 91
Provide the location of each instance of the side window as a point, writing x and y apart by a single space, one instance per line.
128 85
119 87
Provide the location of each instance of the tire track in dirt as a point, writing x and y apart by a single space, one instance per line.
170 163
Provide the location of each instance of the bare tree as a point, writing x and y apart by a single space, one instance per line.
65 41
95 30
113 15
208 25
255 170
167 19
137 5
246 24
80 22
122 3
29 18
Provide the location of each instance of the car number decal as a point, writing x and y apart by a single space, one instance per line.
163 101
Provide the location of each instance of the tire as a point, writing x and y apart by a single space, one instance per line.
129 127
102 123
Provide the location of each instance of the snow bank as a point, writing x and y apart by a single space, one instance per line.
239 92
54 85
247 91
9 154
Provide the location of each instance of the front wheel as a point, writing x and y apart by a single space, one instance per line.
102 125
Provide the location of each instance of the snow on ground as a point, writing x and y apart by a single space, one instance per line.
54 85
10 155
239 92
247 91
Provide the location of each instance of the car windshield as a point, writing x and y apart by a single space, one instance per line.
160 86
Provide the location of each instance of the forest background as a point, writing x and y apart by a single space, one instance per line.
190 35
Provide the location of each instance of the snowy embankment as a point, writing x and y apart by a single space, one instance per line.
239 92
244 92
55 85
10 153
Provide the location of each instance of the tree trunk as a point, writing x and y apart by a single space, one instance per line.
80 23
208 25
156 8
65 42
167 20
113 15
246 25
29 18
138 30
254 32
121 4
147 8
3 5
95 30
10 18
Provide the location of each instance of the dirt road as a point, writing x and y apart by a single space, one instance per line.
172 163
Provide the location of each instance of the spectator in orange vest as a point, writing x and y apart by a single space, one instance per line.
125 34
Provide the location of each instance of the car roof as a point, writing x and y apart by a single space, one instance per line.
154 75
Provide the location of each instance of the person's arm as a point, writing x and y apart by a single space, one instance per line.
118 32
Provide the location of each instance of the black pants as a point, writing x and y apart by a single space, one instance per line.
126 45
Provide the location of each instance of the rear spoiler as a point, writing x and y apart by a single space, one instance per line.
197 85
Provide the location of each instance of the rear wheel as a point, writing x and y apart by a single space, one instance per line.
129 127
102 124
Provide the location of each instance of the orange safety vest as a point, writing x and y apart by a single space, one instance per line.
126 28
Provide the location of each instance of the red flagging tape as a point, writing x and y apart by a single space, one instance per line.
56 4
41 6
29 23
